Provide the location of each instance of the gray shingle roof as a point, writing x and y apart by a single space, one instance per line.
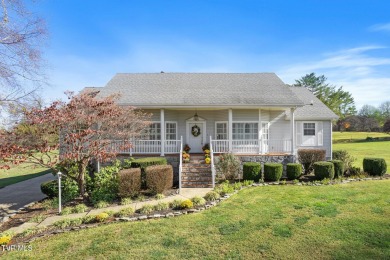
201 89
317 111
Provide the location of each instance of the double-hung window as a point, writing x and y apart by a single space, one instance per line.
221 131
171 131
152 132
245 131
309 129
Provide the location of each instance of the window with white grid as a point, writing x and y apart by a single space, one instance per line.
170 131
221 131
245 131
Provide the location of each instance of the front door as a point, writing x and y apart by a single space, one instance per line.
195 136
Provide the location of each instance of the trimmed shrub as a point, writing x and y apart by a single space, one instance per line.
273 171
186 204
129 182
143 163
323 170
293 171
212 196
307 157
228 166
375 166
344 156
251 171
159 178
69 189
338 168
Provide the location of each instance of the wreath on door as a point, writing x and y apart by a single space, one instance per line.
195 130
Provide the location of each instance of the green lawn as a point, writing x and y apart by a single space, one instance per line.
20 173
359 150
348 221
354 136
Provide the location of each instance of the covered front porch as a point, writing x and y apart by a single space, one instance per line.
241 131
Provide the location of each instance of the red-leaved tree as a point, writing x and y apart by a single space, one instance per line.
82 129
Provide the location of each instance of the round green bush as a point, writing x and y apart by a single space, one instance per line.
50 188
69 191
273 171
251 171
323 170
338 168
374 166
294 171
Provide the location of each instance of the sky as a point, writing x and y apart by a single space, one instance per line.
347 41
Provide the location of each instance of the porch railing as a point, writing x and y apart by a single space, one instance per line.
147 146
212 162
252 146
180 162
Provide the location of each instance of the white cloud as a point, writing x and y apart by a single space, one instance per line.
358 71
380 27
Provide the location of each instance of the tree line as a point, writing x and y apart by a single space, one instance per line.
368 119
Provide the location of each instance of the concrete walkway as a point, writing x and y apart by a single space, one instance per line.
186 193
20 194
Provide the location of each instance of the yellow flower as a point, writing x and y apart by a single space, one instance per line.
207 151
4 240
207 160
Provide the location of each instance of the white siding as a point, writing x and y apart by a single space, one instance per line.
279 127
326 137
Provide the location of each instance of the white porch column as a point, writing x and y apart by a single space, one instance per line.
260 131
292 124
230 128
162 126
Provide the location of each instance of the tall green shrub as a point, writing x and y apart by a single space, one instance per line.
323 170
294 171
251 171
104 185
307 157
375 166
338 168
273 171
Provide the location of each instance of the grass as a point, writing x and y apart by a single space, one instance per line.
298 222
359 150
356 136
20 173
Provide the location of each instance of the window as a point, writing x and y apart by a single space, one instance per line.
221 132
153 132
245 131
170 131
309 129
265 130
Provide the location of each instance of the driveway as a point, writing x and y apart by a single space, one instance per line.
22 193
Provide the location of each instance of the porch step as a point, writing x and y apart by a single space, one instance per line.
196 174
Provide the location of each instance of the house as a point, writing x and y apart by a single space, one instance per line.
254 115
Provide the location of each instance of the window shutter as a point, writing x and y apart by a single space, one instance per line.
298 133
320 135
